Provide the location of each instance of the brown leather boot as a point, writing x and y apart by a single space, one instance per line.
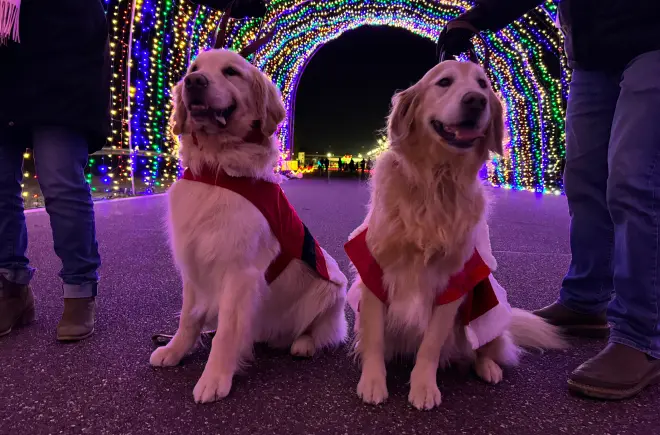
574 323
77 320
617 372
16 305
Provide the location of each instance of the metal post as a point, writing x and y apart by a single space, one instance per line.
128 97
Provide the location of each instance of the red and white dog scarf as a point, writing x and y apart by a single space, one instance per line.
295 240
485 311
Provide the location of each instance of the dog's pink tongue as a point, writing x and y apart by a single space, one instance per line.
465 133
468 135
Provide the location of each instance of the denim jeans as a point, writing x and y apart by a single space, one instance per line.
612 182
60 159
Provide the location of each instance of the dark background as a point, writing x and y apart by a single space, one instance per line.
346 88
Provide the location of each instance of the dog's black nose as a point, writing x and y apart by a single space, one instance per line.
474 101
196 81
473 104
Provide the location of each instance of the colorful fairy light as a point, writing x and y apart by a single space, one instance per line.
167 34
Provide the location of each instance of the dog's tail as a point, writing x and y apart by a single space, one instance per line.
530 330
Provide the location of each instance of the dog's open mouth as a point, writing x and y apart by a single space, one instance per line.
220 116
461 135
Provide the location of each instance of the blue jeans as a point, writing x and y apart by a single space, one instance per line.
612 182
60 158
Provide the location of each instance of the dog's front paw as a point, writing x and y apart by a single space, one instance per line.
424 395
303 347
212 387
488 370
372 388
165 357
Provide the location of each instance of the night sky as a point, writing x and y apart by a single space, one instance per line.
345 91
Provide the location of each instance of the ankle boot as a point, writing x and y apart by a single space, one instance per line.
617 372
77 320
574 323
16 305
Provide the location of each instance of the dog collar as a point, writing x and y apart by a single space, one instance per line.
254 136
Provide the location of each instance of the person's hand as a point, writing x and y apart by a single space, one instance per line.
455 38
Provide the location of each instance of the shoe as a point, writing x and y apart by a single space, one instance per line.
77 320
16 305
617 372
574 323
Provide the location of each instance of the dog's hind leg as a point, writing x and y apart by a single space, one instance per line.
190 326
328 329
238 302
501 351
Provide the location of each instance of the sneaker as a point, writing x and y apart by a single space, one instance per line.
77 320
574 323
16 305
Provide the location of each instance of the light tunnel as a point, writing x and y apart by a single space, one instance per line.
526 67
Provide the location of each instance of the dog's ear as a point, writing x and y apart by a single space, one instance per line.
495 131
268 103
402 116
179 112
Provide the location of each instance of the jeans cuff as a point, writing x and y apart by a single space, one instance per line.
21 276
579 308
617 338
78 291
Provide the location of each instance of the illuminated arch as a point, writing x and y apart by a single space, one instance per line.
168 33
534 99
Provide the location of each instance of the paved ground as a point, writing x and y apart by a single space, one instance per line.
105 385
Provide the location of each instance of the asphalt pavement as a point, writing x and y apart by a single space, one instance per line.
105 385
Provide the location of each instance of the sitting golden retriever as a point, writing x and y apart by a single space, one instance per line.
249 266
422 255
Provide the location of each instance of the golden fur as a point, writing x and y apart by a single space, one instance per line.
426 215
222 245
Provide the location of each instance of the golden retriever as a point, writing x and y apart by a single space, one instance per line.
426 223
225 246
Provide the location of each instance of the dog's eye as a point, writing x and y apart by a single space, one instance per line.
230 72
193 68
444 83
482 83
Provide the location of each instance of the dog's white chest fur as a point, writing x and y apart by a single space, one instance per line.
413 293
211 225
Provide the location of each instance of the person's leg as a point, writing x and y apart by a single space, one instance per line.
61 157
587 287
16 301
14 265
633 195
630 362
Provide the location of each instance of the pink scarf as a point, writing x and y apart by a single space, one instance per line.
9 10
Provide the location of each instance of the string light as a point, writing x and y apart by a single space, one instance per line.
168 34
381 145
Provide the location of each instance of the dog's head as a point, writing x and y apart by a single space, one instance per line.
452 112
223 94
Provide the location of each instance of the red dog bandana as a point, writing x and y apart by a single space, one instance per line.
473 281
295 240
